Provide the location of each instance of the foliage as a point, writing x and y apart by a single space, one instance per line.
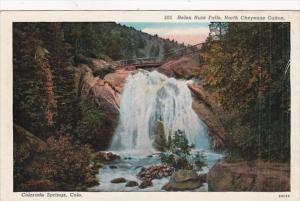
178 143
63 75
92 120
60 163
34 100
217 29
112 39
154 51
49 102
66 164
178 154
246 66
45 100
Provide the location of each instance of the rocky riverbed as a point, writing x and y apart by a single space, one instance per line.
135 172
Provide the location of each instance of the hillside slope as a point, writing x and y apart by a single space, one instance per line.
114 40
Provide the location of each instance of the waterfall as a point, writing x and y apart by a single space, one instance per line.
149 98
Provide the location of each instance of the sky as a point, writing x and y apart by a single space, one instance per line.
187 33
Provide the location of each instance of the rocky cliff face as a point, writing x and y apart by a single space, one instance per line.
209 111
106 93
249 176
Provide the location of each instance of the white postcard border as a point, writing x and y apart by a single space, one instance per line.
6 158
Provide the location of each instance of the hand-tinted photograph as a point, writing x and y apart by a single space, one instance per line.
151 106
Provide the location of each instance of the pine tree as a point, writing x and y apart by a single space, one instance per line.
64 76
245 68
34 100
49 100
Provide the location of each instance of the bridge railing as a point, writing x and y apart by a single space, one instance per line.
183 51
139 61
157 60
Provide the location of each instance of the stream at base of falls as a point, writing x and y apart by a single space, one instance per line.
131 164
152 108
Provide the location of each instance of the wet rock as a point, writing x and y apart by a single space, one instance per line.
184 175
183 180
146 184
182 186
155 172
131 184
118 180
107 157
113 167
160 139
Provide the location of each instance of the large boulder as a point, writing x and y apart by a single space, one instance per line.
184 175
249 176
184 67
99 107
160 140
84 80
100 101
106 96
183 180
117 79
100 114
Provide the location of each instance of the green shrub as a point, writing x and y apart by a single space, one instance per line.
200 160
67 165
59 164
178 154
102 72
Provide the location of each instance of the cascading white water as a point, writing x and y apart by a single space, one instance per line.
149 97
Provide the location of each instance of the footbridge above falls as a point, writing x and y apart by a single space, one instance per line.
152 62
